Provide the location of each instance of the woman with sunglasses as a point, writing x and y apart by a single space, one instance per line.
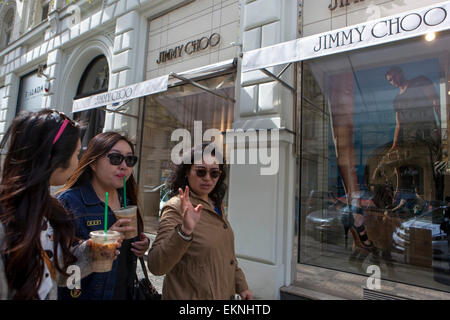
108 158
36 233
194 246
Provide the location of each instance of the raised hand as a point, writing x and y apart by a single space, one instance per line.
191 215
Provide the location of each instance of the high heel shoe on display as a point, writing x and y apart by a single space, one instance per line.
360 237
358 232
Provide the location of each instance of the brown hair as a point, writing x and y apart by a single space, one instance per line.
25 198
99 146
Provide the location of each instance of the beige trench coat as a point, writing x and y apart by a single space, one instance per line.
203 268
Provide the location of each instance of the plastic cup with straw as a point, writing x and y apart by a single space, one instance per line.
103 247
127 212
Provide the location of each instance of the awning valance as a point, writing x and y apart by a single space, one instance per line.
149 87
401 26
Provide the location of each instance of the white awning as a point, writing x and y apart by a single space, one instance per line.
401 26
136 90
148 87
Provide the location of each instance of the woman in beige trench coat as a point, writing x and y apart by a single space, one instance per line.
194 246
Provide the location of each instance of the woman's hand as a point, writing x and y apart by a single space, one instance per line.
122 225
117 252
246 295
140 247
191 215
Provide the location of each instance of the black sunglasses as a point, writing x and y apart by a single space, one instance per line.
213 173
116 159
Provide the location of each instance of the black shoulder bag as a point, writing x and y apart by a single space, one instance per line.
144 289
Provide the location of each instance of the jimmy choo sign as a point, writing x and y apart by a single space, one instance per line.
381 29
189 48
112 97
341 3
398 27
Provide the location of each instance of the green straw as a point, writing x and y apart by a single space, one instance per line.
106 214
124 192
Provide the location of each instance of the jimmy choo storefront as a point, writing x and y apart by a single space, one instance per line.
193 45
375 182
374 186
190 74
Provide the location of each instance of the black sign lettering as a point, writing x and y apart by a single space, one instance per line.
342 3
347 37
111 97
435 14
214 39
381 29
190 47
413 21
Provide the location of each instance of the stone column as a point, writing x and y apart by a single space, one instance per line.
123 67
261 207
53 67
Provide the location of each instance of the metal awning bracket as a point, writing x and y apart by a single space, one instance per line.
284 69
119 112
173 74
277 78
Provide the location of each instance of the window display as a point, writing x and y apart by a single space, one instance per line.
177 108
375 185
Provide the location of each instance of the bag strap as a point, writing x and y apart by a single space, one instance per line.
144 268
141 259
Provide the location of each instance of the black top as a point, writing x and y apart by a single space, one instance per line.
126 270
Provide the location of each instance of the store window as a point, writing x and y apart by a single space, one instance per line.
177 108
374 162
94 80
45 9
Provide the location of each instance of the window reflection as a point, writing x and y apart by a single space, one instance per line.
177 108
375 186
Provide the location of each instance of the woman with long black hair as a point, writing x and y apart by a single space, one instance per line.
36 232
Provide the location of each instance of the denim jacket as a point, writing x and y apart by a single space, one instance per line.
89 213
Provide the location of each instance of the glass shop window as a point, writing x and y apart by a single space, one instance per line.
375 176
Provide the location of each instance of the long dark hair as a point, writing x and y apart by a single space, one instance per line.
25 198
178 178
99 146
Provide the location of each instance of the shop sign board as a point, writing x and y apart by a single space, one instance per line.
31 92
397 27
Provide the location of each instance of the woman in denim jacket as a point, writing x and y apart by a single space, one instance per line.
108 158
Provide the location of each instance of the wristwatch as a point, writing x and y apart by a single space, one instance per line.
183 235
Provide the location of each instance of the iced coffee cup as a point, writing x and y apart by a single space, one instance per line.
129 212
103 250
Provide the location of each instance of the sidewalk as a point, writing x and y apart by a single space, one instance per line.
157 281
151 227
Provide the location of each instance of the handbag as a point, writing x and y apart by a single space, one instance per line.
144 289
